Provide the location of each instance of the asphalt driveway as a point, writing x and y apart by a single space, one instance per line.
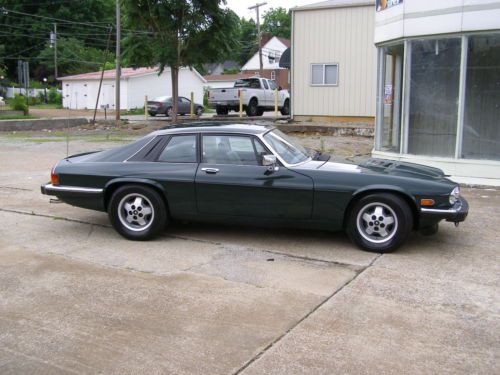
76 298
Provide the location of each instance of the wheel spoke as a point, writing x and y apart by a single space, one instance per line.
379 211
367 218
138 202
127 206
146 210
388 220
130 218
383 232
369 230
141 221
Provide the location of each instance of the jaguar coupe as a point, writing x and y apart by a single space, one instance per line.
254 174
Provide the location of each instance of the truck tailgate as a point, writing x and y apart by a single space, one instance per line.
223 95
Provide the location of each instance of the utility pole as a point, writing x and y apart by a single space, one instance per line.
55 50
117 61
259 39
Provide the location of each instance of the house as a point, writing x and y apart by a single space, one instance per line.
272 49
219 68
333 61
224 80
439 87
80 91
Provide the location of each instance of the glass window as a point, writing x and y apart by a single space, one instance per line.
287 149
184 100
180 149
265 84
250 82
481 130
392 81
434 84
228 149
273 74
272 84
324 74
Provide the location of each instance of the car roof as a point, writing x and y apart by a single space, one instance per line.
214 127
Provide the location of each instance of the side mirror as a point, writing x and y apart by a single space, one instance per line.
280 88
270 162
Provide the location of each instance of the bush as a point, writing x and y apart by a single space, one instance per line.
18 103
54 97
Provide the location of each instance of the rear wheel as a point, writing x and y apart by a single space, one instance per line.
252 108
380 222
285 110
152 114
199 111
260 111
137 212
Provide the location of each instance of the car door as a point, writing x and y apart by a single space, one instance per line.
183 105
232 181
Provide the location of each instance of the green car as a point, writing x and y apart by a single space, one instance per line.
253 174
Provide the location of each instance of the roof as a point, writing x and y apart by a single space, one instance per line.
286 42
214 127
125 73
335 4
227 77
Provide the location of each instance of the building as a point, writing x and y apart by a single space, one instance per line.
438 94
80 91
224 80
272 49
333 61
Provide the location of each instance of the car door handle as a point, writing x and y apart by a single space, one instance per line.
210 170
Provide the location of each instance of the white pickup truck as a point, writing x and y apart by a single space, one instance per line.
258 96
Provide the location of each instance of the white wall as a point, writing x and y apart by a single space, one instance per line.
429 17
336 35
11 91
82 94
274 45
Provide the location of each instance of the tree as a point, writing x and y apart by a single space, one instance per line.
178 33
247 40
278 22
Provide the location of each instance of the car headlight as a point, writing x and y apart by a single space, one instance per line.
454 195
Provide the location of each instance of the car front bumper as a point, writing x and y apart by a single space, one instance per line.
455 214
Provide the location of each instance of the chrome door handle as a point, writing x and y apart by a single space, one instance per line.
210 170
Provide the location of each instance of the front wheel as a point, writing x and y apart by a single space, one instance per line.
380 222
285 110
252 109
137 212
199 111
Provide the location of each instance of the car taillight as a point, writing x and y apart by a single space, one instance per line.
54 178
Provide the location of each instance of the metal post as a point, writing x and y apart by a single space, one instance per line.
240 94
55 51
118 68
461 96
102 75
259 39
191 110
146 107
276 103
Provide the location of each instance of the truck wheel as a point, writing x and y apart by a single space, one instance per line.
285 110
260 111
221 111
252 108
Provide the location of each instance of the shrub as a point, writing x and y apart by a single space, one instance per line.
18 103
54 97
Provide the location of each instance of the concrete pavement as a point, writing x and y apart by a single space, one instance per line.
75 297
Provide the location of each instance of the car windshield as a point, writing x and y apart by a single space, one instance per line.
289 150
162 99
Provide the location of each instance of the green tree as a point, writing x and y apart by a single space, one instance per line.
278 22
178 33
247 38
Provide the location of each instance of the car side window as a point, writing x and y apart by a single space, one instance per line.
265 84
272 85
180 149
260 150
228 149
183 100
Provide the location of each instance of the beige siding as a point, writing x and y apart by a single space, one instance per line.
339 35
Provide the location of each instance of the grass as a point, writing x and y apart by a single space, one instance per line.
133 111
47 106
16 117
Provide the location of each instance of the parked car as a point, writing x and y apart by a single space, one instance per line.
162 105
258 97
252 174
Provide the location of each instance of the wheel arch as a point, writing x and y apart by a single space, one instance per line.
368 190
116 183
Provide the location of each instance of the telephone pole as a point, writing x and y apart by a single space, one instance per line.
259 39
55 50
117 61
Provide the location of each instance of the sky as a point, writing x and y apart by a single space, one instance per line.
241 6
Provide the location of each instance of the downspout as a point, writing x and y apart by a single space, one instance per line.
292 85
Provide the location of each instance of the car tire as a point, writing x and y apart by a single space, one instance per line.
379 222
137 212
260 111
252 108
221 111
199 111
152 114
285 110
430 230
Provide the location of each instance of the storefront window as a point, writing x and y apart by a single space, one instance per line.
434 89
481 129
392 81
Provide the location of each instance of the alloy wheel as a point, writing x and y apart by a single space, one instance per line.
377 222
136 212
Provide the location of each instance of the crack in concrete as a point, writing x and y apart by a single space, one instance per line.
280 337
14 188
224 246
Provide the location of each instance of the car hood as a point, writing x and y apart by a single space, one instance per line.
379 166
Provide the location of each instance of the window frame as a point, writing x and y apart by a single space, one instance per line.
252 138
273 75
324 75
